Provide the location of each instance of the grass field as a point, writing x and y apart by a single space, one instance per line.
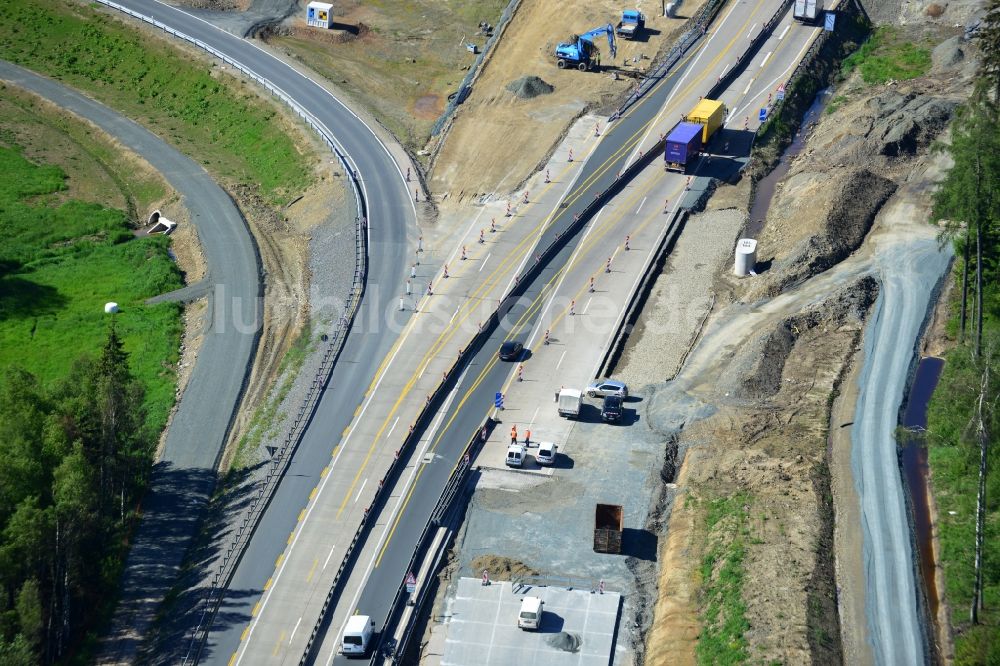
723 612
62 257
953 456
404 63
889 56
208 115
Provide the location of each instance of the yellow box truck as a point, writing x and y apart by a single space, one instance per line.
710 114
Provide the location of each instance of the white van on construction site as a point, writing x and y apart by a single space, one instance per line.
570 401
357 636
530 616
515 455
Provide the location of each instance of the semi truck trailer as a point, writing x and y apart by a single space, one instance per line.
688 137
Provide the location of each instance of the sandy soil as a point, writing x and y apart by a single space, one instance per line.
674 633
496 140
847 531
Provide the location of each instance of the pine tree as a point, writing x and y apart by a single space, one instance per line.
989 45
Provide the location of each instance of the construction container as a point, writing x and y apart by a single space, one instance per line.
608 528
710 114
681 146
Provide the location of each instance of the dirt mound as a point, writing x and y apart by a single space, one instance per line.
529 87
907 123
501 568
565 641
757 369
849 200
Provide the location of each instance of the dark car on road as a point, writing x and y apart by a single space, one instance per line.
510 350
612 409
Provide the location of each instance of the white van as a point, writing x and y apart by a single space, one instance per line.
570 401
530 616
357 636
515 455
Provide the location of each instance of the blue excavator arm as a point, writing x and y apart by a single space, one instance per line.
604 30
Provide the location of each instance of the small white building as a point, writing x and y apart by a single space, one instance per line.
320 14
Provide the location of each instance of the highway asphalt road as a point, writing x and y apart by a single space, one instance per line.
184 476
392 217
473 397
906 270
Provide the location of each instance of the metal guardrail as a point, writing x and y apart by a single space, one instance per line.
489 326
671 227
807 58
465 87
445 504
282 457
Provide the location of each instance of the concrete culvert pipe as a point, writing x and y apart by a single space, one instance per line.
158 224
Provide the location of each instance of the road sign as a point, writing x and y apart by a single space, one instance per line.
828 20
763 115
780 94
411 583
498 400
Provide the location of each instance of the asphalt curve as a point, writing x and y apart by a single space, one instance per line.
184 476
391 217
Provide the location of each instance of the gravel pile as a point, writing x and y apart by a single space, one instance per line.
528 87
680 299
565 641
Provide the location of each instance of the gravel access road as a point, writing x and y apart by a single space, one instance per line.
908 271
185 475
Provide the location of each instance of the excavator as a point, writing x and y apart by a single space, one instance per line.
581 52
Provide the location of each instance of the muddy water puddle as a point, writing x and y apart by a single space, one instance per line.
913 458
764 190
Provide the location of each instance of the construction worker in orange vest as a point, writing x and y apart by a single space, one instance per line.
527 437
513 434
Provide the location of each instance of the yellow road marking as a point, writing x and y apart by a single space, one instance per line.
267 585
277 644
256 609
515 255
312 570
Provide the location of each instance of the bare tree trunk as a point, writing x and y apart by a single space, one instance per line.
965 286
979 289
979 261
983 435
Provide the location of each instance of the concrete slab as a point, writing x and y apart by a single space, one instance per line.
578 626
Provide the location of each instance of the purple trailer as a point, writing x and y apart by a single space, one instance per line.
683 145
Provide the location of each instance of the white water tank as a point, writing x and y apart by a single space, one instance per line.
110 308
746 256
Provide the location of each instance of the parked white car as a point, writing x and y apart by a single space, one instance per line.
605 387
546 454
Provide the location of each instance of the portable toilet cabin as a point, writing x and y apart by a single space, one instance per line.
319 15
